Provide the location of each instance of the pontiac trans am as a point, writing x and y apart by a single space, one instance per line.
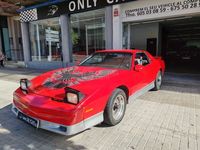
73 99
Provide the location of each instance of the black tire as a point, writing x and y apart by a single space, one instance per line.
158 81
114 113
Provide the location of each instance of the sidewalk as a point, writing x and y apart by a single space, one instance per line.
15 74
168 119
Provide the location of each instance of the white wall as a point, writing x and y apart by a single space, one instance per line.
141 32
158 9
117 29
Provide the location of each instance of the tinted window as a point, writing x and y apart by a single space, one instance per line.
109 60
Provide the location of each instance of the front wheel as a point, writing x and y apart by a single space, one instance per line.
158 81
115 108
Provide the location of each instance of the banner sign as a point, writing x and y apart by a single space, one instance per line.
70 7
152 9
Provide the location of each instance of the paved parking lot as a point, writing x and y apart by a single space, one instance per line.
167 119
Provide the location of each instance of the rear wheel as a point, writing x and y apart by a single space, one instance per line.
115 108
158 81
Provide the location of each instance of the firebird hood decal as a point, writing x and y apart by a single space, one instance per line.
73 76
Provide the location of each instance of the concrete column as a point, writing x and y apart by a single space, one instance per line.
66 40
108 27
16 34
26 43
117 28
13 33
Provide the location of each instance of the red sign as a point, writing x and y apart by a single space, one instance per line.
116 12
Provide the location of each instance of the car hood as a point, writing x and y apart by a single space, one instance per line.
83 79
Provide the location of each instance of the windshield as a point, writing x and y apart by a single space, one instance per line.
109 60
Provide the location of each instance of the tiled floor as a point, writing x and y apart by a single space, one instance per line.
167 119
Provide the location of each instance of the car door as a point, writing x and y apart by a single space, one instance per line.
146 70
137 76
131 78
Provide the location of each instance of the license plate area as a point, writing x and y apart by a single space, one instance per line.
33 122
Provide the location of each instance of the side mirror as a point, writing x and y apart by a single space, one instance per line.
138 68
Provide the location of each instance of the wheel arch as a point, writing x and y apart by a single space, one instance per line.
162 71
108 114
125 89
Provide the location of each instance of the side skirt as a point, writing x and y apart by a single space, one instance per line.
142 91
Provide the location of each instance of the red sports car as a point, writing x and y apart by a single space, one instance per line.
70 100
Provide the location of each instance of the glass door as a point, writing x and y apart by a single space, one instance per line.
95 38
126 36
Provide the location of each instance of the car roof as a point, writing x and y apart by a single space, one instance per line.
121 51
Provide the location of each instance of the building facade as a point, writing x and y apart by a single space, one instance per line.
61 33
11 38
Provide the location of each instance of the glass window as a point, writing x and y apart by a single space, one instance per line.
141 59
45 37
109 60
88 33
125 36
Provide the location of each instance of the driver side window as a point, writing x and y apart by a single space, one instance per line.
141 59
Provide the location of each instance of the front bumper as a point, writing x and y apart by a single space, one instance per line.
63 129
